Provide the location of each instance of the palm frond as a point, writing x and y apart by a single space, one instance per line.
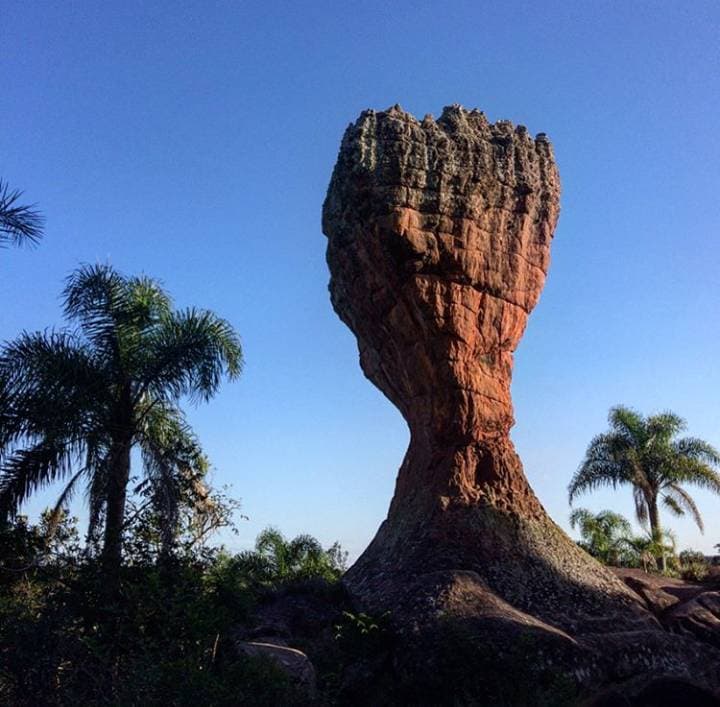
191 351
673 505
56 514
685 501
626 422
605 464
19 223
692 471
581 517
641 506
664 426
172 459
270 541
304 547
51 387
27 470
96 297
147 301
698 449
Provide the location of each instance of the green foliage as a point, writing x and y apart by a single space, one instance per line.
165 639
604 535
693 566
608 537
646 453
645 550
276 560
201 512
74 403
688 556
694 571
362 634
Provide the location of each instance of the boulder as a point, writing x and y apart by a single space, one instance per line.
290 660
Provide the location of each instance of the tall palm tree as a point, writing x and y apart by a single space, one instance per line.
74 403
18 223
645 453
604 535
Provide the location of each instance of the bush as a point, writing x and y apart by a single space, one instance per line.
687 557
165 639
695 571
693 566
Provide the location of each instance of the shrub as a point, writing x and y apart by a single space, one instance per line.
693 566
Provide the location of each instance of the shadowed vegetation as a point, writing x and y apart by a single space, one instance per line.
172 637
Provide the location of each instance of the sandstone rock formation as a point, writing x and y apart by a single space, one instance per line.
439 239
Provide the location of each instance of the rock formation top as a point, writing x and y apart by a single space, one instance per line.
439 244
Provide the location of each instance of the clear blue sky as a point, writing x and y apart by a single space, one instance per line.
193 141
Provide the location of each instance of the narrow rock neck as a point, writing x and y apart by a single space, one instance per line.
461 461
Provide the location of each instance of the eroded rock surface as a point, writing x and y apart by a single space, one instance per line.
439 239
439 236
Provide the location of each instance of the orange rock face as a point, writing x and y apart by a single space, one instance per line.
439 238
439 244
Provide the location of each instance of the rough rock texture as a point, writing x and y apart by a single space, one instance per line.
683 608
439 239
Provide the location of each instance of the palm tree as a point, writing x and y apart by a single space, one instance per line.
276 559
18 223
604 535
645 453
74 403
645 550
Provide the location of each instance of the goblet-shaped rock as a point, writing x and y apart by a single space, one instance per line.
439 238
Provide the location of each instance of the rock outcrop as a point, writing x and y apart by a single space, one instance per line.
439 238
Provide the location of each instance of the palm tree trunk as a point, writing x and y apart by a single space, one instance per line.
115 513
656 530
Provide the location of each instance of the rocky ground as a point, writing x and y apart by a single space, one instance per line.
336 655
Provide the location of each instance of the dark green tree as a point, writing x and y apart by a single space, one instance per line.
277 560
19 223
75 403
604 535
646 454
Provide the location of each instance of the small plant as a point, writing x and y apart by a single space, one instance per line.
694 572
604 535
362 633
693 565
687 557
